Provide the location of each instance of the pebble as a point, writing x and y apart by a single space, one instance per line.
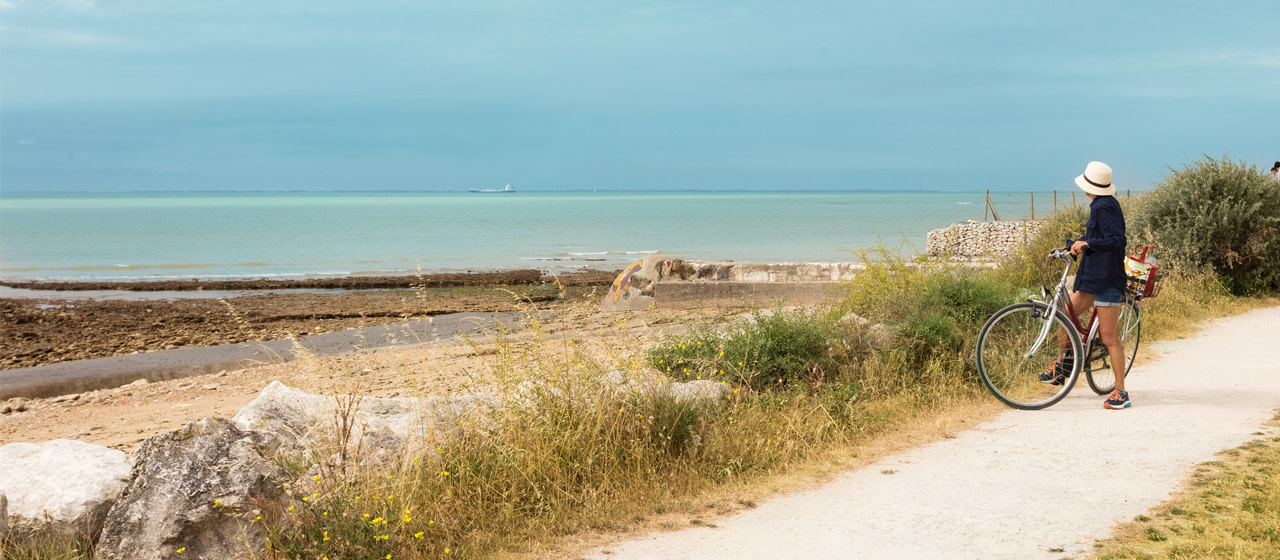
210 387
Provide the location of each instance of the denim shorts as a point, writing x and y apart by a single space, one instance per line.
1109 296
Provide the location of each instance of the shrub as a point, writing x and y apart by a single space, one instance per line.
770 348
1218 215
934 307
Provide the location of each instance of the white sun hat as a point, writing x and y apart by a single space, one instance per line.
1096 179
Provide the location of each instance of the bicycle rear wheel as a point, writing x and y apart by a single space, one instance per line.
1010 361
1098 369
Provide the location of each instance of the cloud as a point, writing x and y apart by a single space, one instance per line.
1242 58
8 5
61 37
79 5
27 141
64 37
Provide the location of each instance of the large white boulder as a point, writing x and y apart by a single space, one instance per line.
371 424
62 485
193 494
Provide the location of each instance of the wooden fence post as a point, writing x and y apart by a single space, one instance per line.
995 216
1055 201
1033 205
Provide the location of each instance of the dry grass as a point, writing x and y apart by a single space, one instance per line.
569 455
1229 510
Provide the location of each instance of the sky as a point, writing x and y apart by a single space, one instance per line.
178 95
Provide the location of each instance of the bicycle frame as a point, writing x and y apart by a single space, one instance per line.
1062 302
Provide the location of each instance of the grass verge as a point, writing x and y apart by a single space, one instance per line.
1229 510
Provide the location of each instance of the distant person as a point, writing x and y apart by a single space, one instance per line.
1100 278
1275 171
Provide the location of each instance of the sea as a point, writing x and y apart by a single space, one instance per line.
273 235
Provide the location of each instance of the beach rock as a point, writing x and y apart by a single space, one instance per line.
195 489
880 337
62 485
4 516
693 391
376 425
853 321
633 288
876 336
654 384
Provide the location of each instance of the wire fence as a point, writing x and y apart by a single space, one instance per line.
1020 203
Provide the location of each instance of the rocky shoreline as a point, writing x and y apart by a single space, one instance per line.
39 331
528 277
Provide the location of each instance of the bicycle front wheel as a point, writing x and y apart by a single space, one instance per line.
1014 349
1098 372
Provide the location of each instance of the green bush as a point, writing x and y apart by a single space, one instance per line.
933 307
770 348
1218 215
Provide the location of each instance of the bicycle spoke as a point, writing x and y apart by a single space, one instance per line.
1014 349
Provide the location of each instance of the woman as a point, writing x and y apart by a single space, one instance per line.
1100 278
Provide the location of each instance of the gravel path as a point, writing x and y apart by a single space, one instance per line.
1027 485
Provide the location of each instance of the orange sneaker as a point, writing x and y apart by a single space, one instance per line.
1118 400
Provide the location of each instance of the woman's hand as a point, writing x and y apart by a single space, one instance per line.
1079 247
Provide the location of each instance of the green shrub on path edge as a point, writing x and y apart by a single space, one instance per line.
1217 215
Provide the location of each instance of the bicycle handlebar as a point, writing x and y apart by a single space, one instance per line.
1061 253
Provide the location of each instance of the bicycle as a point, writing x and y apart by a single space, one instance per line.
1018 342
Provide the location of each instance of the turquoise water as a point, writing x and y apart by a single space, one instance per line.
278 235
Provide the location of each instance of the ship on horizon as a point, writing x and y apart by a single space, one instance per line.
506 190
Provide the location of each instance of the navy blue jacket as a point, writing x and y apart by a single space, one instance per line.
1103 261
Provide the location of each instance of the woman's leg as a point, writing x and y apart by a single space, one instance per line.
1080 302
1108 330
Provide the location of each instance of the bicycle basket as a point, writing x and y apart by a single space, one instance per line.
1142 273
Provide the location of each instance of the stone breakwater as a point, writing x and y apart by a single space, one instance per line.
981 239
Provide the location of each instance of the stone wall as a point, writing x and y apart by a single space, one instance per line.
977 239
